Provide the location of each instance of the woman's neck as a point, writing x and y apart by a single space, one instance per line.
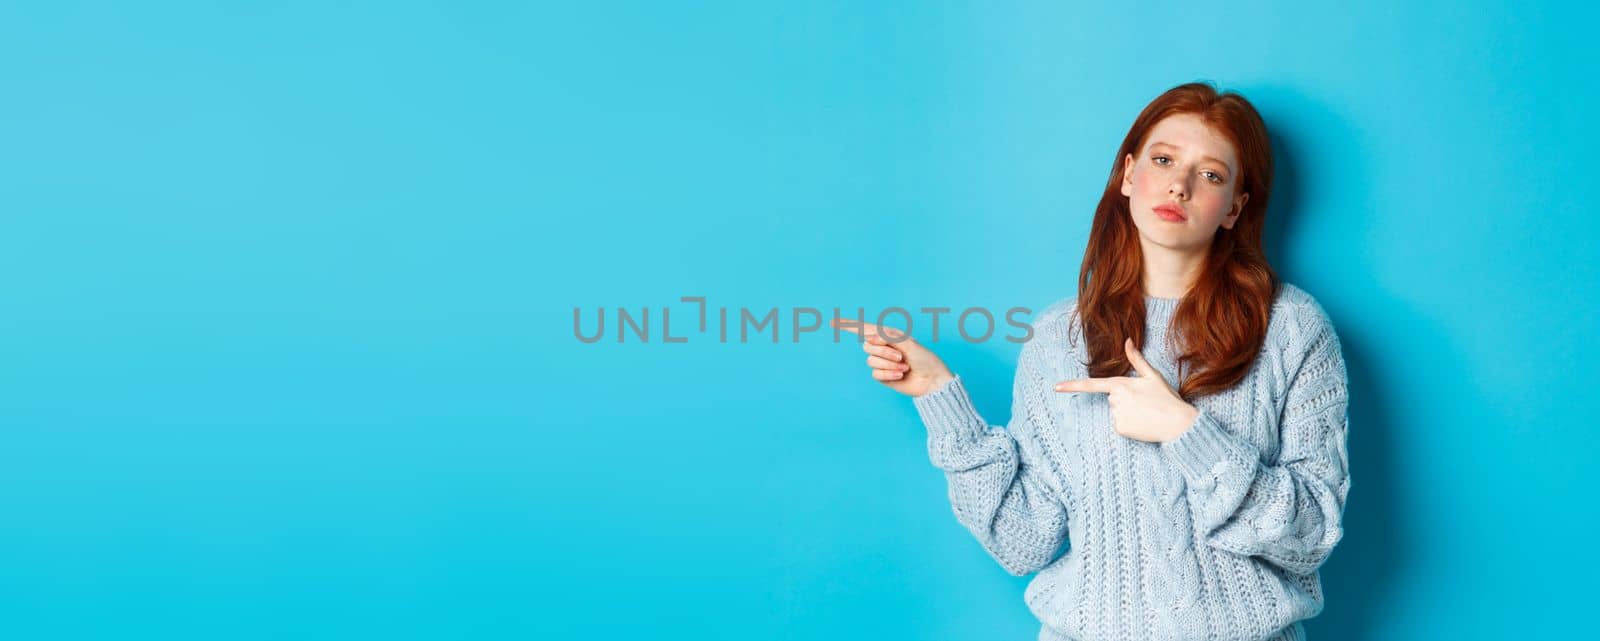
1169 273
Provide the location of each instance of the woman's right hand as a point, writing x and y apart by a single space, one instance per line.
897 360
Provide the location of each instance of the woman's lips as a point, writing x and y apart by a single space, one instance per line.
1170 213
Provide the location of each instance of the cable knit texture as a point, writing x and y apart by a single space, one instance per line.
1217 534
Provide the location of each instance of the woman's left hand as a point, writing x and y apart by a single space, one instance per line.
1143 407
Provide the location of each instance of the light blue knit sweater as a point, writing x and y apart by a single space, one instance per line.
1215 535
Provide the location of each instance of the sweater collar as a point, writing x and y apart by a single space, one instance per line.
1160 309
1158 314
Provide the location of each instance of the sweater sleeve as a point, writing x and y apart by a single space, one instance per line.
997 477
1289 513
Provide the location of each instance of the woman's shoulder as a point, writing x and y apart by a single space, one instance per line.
1298 318
1293 296
1057 311
1057 316
1053 329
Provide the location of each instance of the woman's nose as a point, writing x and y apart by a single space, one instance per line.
1179 188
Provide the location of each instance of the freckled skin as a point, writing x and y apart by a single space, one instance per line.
1186 178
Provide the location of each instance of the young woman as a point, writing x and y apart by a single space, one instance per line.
1201 511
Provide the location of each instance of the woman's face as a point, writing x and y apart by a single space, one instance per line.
1182 186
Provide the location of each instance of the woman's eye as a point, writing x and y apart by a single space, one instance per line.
1159 160
1213 176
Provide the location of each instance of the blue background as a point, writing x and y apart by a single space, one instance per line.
286 301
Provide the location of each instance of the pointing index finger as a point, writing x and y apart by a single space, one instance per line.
870 332
1092 385
851 325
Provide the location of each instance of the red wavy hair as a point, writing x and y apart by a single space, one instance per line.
1221 322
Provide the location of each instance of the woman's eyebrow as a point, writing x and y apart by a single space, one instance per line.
1162 144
